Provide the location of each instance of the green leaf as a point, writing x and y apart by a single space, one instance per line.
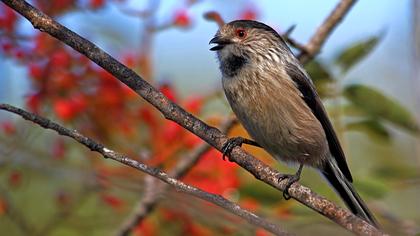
321 77
395 170
318 71
371 127
352 110
377 105
356 52
372 188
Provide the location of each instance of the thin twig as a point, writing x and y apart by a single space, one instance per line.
153 194
295 44
325 29
174 112
291 41
178 185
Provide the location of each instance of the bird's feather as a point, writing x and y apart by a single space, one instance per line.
311 98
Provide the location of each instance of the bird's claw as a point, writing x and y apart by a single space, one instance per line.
291 179
230 145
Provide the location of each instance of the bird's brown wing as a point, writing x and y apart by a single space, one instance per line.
312 99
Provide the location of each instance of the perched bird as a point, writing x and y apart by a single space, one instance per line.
276 102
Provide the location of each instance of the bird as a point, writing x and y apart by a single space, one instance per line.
275 100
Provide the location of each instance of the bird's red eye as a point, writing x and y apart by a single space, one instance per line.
240 33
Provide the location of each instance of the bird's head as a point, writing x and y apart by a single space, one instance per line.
250 40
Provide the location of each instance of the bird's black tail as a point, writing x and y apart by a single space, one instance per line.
347 192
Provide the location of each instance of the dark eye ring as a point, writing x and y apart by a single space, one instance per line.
241 33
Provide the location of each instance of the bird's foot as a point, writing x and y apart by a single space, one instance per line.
231 144
291 179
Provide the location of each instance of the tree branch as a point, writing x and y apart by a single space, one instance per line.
175 113
154 191
324 30
178 185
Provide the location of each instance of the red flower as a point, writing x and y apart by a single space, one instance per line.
191 140
8 19
112 201
58 6
261 232
213 174
8 127
145 228
35 71
248 14
168 91
19 54
171 131
129 60
33 102
96 3
147 115
196 229
68 108
110 97
107 79
194 104
64 109
6 46
44 44
128 92
60 59
182 19
64 80
79 102
250 204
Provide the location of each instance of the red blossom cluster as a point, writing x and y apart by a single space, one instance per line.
249 14
182 19
7 19
214 175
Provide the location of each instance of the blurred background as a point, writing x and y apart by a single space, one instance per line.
367 73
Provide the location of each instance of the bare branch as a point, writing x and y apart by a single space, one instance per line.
214 16
324 30
152 195
175 113
178 185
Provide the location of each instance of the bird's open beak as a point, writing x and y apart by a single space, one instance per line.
221 42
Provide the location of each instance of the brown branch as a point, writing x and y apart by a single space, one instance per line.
324 30
154 191
178 185
214 16
175 113
295 44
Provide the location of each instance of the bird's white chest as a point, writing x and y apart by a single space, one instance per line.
274 114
